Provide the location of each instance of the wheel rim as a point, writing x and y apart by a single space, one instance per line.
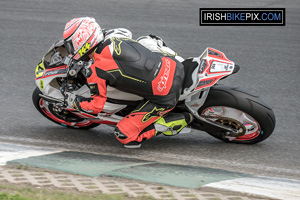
253 129
48 110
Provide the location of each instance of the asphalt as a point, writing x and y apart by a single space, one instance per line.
268 56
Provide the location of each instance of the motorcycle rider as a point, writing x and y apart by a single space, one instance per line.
145 68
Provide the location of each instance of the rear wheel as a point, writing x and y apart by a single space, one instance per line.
58 116
229 105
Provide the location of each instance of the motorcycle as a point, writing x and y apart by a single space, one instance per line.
228 113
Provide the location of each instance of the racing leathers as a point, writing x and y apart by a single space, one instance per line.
129 66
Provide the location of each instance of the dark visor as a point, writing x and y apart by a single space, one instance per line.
69 47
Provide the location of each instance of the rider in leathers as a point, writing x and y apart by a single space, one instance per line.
129 66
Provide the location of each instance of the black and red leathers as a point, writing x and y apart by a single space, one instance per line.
129 66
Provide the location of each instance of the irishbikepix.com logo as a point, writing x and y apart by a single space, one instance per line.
242 16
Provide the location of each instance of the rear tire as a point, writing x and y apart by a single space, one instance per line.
48 111
248 105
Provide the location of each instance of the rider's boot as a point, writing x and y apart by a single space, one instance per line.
173 123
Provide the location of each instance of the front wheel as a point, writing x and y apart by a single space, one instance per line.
57 116
250 110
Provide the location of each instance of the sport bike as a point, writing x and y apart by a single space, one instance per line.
228 113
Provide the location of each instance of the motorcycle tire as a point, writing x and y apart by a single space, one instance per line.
244 105
48 111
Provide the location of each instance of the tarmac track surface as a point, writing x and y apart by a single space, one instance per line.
268 56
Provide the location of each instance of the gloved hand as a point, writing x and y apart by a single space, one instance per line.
78 100
76 103
73 100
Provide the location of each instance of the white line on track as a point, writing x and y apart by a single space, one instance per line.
10 152
277 188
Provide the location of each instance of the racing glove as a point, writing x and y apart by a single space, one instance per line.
78 100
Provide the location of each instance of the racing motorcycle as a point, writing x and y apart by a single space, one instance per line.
228 113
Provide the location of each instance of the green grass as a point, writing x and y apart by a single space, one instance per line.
17 192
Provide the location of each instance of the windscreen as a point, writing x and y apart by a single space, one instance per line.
55 54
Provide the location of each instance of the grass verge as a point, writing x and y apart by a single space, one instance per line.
26 192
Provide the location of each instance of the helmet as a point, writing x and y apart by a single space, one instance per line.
81 36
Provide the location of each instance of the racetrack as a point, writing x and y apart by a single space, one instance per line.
268 57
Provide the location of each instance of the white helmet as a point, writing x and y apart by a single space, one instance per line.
81 36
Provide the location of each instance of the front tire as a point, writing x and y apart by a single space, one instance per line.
49 111
249 109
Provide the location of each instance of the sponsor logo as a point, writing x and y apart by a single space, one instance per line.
54 72
162 84
117 45
41 84
39 70
82 35
84 49
153 113
94 89
242 16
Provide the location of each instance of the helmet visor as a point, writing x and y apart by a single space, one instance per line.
69 46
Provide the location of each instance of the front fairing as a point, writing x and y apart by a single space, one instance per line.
53 58
52 66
